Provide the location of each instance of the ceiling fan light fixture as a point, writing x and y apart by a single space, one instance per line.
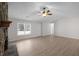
46 12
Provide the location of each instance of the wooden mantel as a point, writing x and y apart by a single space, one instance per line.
5 23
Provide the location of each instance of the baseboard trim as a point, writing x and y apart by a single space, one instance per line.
65 37
29 38
40 37
23 39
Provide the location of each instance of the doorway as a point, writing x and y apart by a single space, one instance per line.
52 28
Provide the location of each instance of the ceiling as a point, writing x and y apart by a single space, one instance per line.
29 10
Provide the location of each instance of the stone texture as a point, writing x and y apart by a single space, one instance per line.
3 11
3 30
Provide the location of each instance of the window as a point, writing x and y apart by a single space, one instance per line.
23 28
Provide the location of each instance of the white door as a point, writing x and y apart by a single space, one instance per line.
52 28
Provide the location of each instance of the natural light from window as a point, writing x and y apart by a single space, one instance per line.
23 29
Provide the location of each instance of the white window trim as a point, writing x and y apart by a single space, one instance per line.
25 32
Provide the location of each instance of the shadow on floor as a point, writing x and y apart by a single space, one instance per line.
12 51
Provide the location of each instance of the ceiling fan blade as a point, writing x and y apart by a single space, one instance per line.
44 8
48 11
49 14
43 12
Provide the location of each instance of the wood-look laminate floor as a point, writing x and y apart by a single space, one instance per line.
48 46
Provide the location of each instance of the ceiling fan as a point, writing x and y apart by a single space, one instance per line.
45 11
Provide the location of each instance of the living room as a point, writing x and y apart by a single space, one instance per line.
41 29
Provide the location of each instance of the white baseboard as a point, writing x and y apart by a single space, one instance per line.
69 36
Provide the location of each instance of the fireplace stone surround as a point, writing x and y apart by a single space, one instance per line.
4 24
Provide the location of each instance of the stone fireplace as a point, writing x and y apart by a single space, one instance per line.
4 24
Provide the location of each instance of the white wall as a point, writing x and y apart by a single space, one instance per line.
67 27
38 29
46 28
12 31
